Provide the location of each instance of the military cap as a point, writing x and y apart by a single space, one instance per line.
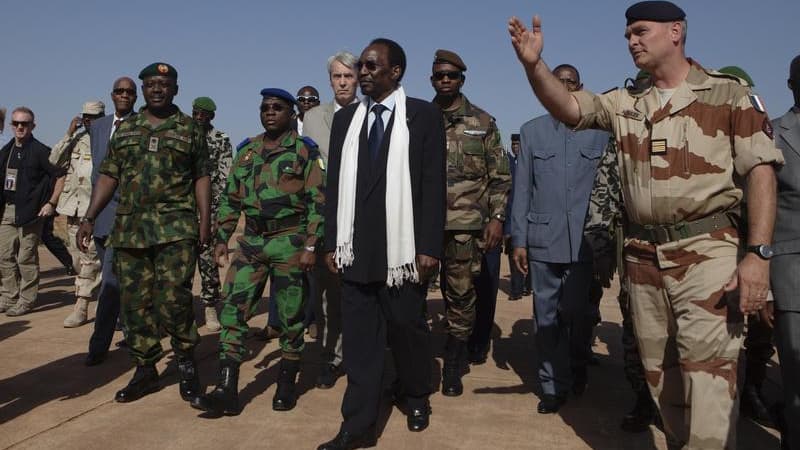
204 103
94 108
158 68
446 56
278 93
794 69
737 72
654 11
515 137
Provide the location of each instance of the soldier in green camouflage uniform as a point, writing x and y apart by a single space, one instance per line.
220 156
159 161
277 181
478 183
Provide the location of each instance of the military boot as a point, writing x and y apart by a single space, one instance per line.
5 305
190 379
79 313
454 356
224 399
642 415
19 309
286 394
212 322
144 381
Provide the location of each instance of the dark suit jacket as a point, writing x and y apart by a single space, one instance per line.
786 240
427 153
35 179
100 132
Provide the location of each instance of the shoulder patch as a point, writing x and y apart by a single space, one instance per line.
309 142
242 144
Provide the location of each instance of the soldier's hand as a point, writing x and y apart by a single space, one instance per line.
520 258
74 124
83 236
492 234
751 277
527 43
221 254
426 266
307 260
767 314
331 262
47 210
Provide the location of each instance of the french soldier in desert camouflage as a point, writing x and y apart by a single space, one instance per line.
478 182
686 144
277 182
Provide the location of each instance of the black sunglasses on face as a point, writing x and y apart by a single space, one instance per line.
439 76
370 65
272 107
307 98
20 123
120 91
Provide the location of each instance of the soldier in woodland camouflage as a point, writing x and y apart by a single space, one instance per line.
685 146
220 155
159 161
478 182
277 181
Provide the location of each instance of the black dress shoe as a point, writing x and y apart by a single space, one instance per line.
550 404
348 441
418 418
144 381
327 379
93 359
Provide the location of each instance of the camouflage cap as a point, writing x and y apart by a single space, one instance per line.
158 68
94 108
204 103
446 56
737 72
654 11
278 93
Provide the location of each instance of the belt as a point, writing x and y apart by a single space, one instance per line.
73 220
271 226
661 234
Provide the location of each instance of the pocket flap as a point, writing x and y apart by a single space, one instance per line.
538 218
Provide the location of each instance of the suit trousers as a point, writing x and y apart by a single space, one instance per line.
561 305
107 301
327 298
373 316
486 285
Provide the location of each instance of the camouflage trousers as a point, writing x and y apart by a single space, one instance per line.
632 361
209 277
87 264
256 260
462 263
689 336
155 293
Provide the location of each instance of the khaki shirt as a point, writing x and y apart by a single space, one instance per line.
74 199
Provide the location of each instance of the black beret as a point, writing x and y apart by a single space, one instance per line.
446 56
654 11
158 68
278 93
515 137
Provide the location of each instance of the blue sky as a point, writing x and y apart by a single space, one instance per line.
58 54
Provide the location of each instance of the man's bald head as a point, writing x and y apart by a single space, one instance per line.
123 94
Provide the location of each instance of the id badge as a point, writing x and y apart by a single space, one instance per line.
11 180
153 147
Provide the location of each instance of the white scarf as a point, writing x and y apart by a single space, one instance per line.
400 245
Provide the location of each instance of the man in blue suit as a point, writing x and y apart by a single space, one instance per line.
123 94
552 183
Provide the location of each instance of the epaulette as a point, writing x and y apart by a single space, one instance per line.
309 142
242 144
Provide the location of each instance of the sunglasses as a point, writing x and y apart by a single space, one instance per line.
277 107
307 98
371 66
120 91
439 76
20 123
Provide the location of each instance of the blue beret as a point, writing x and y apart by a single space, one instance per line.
278 93
158 68
654 11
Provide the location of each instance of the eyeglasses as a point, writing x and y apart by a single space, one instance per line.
120 91
371 66
568 81
20 123
307 98
439 76
277 107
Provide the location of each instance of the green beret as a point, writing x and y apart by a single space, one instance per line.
446 56
158 68
204 103
654 11
738 72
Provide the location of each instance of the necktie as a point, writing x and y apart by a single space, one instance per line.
116 123
376 132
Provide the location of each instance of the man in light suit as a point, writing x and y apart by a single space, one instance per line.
123 95
552 183
324 286
786 263
387 248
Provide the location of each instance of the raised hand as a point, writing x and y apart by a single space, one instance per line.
527 43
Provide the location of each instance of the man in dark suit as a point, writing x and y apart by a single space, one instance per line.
786 263
384 249
123 94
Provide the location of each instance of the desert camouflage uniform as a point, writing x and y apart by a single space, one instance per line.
281 195
220 156
72 204
156 229
478 182
678 164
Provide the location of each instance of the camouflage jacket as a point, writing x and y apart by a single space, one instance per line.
275 184
478 176
604 218
220 157
685 161
156 168
74 199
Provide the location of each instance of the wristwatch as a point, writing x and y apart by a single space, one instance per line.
87 219
310 248
763 251
500 217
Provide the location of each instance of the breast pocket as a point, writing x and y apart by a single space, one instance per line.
590 155
544 160
474 162
178 153
539 235
290 171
